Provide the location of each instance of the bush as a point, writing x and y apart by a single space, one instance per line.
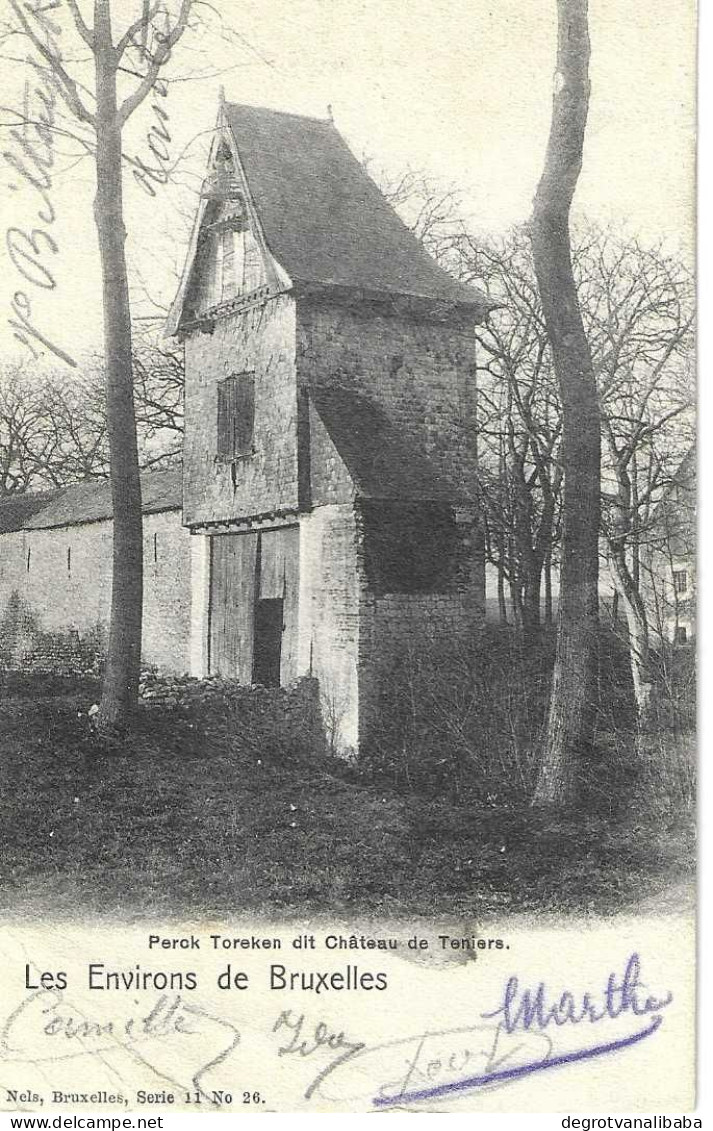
463 720
266 722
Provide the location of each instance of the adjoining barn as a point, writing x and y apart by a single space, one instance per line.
55 576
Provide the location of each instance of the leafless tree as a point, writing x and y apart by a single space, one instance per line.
431 209
22 430
53 425
520 423
158 393
640 308
52 429
75 425
570 721
126 68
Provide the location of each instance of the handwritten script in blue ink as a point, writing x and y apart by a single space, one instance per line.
531 1013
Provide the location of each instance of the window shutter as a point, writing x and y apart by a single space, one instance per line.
236 416
245 412
224 446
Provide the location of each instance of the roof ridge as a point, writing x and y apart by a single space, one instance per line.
281 113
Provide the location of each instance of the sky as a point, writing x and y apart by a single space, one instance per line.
460 89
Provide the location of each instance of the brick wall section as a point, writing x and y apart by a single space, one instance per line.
260 340
69 596
420 371
396 625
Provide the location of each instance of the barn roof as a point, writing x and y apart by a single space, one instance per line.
324 220
91 501
16 510
383 462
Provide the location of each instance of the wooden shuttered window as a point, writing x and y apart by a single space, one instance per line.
236 416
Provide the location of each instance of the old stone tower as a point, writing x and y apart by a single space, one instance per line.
330 440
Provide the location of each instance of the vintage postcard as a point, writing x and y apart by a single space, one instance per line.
347 558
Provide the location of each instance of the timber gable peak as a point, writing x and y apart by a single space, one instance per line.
229 266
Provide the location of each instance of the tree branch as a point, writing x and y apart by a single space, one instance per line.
161 56
68 86
85 32
137 26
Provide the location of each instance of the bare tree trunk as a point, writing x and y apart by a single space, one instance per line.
571 711
502 604
548 589
638 633
515 594
121 679
532 601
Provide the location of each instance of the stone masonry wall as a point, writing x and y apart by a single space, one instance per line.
258 340
396 626
420 371
55 593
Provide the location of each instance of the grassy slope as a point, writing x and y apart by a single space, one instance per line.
202 813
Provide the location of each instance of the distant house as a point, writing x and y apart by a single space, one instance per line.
669 559
667 567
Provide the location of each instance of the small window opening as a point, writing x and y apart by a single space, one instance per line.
29 554
681 634
680 580
69 559
155 547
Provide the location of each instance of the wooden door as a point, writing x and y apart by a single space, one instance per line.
233 584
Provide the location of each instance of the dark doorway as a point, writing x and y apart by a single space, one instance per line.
267 651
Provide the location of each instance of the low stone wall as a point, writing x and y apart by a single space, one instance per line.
273 718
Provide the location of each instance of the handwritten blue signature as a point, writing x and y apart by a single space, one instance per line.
524 1010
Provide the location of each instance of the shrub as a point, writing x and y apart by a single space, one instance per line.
465 722
462 719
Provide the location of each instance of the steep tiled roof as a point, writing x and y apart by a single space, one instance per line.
324 219
91 501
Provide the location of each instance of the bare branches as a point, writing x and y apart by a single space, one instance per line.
85 32
140 25
67 85
53 428
429 208
166 42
